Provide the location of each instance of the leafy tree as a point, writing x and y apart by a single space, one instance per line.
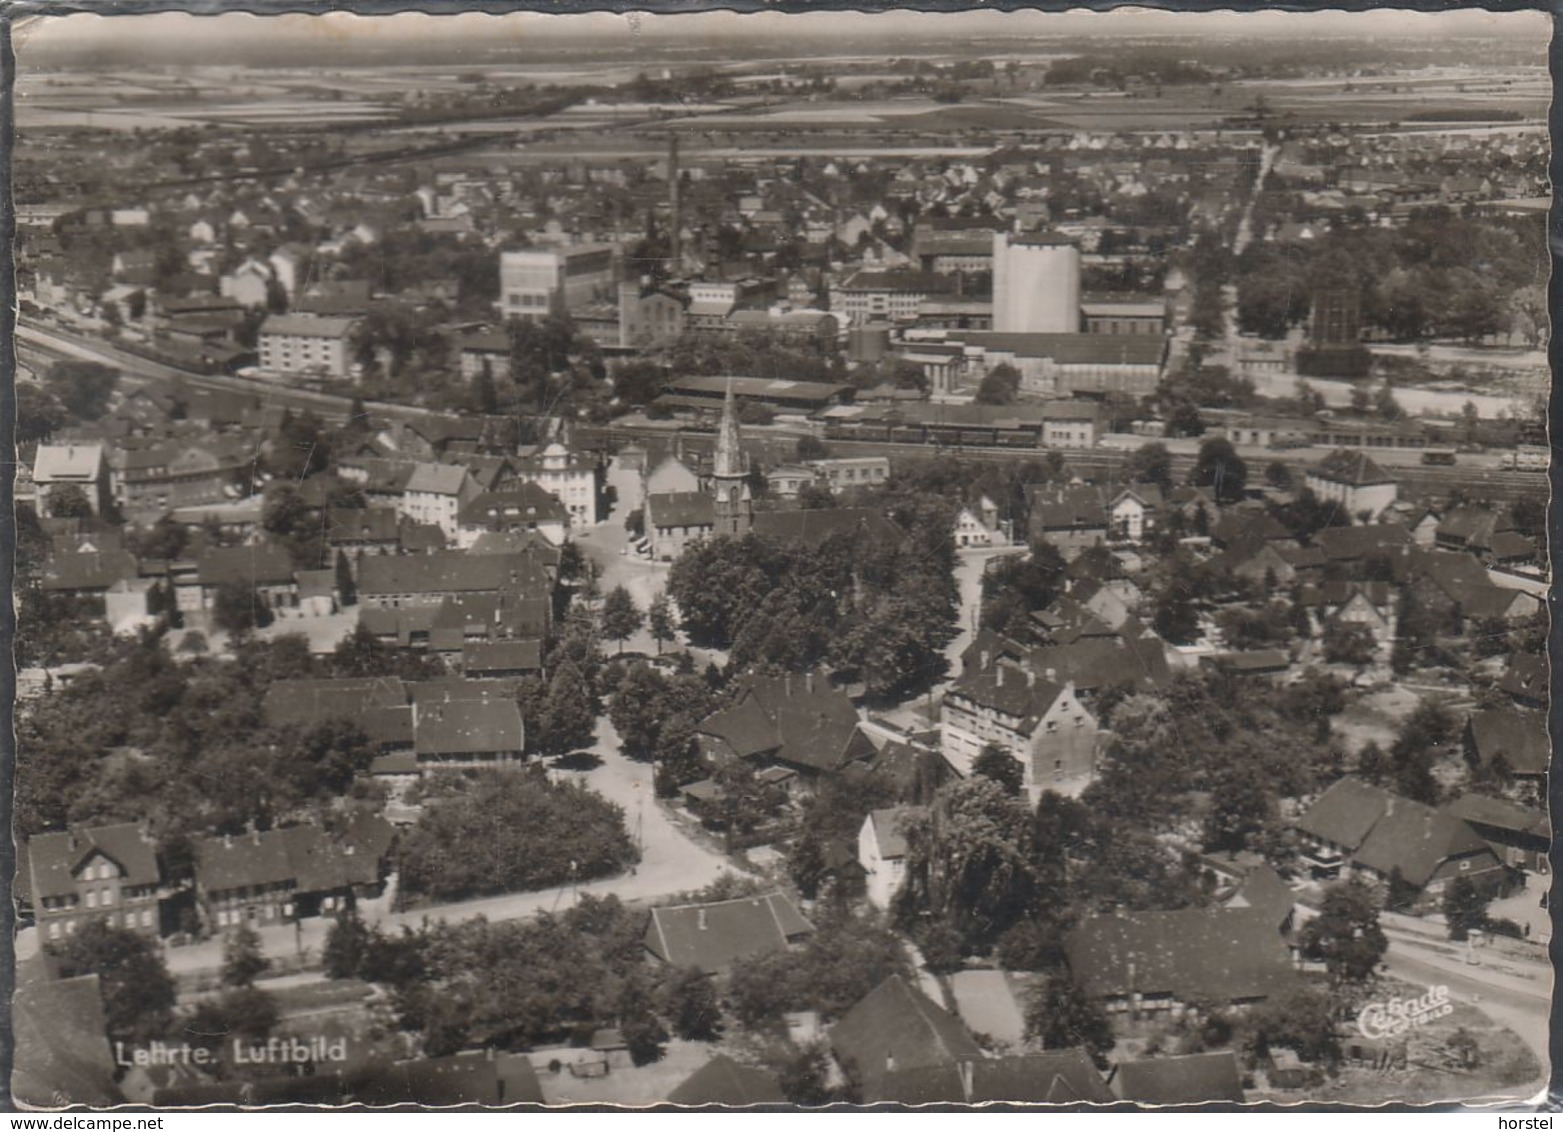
1150 463
639 1025
621 620
1000 386
1060 1016
1465 907
1002 767
243 961
568 717
237 609
659 619
691 1005
966 863
138 992
83 388
1347 642
811 447
346 587
847 957
1241 806
508 832
39 414
1301 1019
346 946
1346 934
1278 475
69 501
1219 467
803 1074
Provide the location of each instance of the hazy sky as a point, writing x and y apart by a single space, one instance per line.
62 35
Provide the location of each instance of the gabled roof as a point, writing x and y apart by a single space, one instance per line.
1010 691
1352 468
366 524
725 1082
889 827
713 936
478 657
1344 813
97 571
680 509
1526 677
259 565
1094 663
1499 813
802 720
437 479
514 504
60 1047
53 858
813 527
1191 1079
896 1027
307 702
1520 735
1063 1076
463 727
1193 954
1350 543
445 572
309 326
68 463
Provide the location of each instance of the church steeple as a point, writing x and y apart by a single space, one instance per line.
729 459
734 502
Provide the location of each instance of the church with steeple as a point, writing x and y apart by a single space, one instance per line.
731 498
719 503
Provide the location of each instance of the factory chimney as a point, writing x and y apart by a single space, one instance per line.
675 209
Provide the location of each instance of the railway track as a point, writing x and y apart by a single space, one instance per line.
1497 485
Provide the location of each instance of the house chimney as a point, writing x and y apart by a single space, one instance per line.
227 841
700 919
808 682
1031 677
787 684
998 676
1052 675
1389 808
985 659
255 837
966 1068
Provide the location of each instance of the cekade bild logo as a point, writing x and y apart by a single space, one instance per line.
1395 1016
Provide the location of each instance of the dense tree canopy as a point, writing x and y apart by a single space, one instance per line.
508 831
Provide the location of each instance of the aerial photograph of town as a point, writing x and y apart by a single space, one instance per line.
781 560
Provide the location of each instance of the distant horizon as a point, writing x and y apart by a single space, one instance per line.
182 38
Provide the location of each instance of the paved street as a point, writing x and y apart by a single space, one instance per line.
1520 1005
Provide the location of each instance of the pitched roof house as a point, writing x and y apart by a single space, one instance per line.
713 936
1197 1078
723 1081
1150 961
897 1029
800 722
1368 829
1519 736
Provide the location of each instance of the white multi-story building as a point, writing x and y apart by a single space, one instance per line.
436 493
533 283
306 344
575 478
